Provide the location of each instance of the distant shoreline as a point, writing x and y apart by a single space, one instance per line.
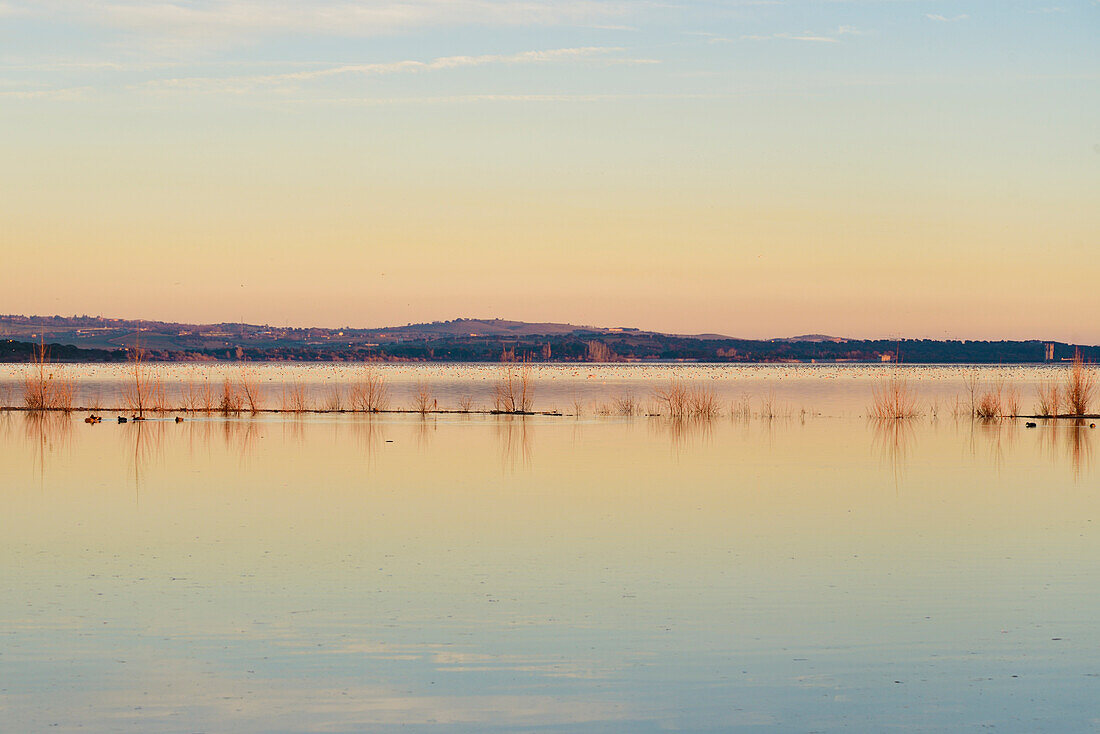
611 352
474 341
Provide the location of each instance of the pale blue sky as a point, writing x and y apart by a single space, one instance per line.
758 168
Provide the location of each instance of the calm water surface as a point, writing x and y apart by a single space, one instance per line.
342 573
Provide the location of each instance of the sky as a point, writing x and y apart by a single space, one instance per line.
757 168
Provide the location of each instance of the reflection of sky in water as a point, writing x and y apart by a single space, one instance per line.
603 574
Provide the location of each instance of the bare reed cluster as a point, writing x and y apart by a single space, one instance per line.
45 390
137 395
741 408
232 400
368 392
295 399
624 405
1080 386
770 408
893 400
250 392
1073 398
679 401
988 405
334 400
513 392
1050 399
423 402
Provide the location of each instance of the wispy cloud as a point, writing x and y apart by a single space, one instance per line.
219 18
243 84
945 19
810 36
57 95
453 62
458 99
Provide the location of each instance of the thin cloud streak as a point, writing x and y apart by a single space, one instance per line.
244 84
538 98
792 37
809 36
63 95
183 19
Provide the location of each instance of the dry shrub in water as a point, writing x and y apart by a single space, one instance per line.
137 395
972 386
703 403
334 401
893 400
465 403
422 398
44 390
1080 386
624 405
988 405
158 396
294 399
63 393
1012 402
741 409
188 396
526 389
205 396
674 399
768 407
678 401
38 385
368 392
513 392
1050 399
250 391
231 400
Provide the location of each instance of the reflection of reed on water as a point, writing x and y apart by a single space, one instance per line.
240 436
1079 448
999 437
1070 440
46 433
893 440
369 434
50 429
425 429
294 429
514 439
144 441
685 430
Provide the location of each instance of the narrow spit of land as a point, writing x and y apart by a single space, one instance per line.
286 411
169 412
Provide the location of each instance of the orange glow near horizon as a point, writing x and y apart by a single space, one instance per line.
906 175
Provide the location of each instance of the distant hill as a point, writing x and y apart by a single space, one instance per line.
92 338
485 327
813 338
